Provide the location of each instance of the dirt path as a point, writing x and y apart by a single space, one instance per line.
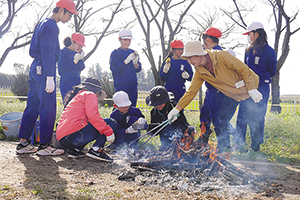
34 177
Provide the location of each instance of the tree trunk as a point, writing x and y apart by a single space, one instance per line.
276 108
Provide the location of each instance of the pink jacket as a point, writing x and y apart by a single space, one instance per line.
83 108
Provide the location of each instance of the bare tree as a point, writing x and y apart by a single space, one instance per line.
6 25
88 16
158 13
283 33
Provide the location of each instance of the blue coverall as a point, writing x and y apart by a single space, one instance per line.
174 81
44 48
124 121
264 63
69 71
212 104
125 78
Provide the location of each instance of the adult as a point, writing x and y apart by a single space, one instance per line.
176 71
124 64
70 63
81 122
41 101
227 74
261 58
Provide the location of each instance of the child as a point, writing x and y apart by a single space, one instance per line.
162 101
81 123
176 71
124 64
41 101
70 63
126 116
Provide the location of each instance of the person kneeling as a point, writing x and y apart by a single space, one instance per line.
81 123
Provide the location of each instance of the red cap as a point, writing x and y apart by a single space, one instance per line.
213 32
67 4
177 44
78 38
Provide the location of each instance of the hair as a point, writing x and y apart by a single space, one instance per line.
56 9
214 39
67 41
71 94
260 42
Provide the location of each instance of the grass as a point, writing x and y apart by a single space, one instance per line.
281 139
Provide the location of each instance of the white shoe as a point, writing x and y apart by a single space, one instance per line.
47 150
21 149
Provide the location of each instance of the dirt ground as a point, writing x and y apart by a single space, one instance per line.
38 177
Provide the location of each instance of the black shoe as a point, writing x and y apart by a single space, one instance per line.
99 155
75 153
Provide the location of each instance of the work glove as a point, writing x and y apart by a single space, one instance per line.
173 115
140 124
167 65
50 85
110 138
129 58
185 75
131 130
78 56
255 95
136 58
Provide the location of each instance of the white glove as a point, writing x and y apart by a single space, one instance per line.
129 58
255 95
136 58
167 65
78 56
172 116
50 85
131 130
185 75
140 124
111 138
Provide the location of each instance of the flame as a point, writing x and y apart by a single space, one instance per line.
184 144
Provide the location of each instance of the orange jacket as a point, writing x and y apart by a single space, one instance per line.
80 111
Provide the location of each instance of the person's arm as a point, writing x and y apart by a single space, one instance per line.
117 65
273 63
80 66
163 74
93 115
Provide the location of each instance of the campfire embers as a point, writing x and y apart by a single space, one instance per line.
186 154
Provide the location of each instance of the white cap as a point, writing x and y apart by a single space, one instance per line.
121 99
254 26
125 34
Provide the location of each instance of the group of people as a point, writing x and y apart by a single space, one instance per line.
229 82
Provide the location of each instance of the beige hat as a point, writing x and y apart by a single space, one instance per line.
193 49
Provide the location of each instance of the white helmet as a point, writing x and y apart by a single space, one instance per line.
121 99
254 26
125 34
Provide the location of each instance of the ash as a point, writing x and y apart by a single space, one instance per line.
154 168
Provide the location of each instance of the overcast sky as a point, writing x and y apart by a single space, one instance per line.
289 74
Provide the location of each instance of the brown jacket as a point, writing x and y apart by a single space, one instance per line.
228 71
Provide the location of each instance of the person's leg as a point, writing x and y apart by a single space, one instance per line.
101 138
241 125
262 107
205 118
227 111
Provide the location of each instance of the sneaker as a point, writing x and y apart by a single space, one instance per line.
48 150
22 149
99 155
75 153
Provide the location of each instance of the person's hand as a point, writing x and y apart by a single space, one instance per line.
131 130
173 114
136 58
110 138
167 65
185 75
129 58
255 95
140 124
78 56
50 85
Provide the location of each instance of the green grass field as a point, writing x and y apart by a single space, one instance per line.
281 139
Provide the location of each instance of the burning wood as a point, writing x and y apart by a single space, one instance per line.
186 154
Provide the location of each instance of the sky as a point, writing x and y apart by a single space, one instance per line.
289 74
